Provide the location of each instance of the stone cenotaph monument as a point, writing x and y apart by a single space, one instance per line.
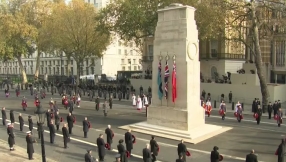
176 39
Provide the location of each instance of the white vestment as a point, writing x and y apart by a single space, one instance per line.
208 103
139 103
133 100
236 107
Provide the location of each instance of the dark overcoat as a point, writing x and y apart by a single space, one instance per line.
108 133
128 141
101 147
12 117
85 126
30 147
154 147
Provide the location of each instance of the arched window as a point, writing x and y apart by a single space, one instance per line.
213 71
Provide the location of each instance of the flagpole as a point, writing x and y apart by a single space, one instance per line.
160 59
174 68
167 86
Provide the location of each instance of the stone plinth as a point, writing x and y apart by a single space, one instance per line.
176 37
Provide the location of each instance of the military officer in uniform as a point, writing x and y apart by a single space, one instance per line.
70 122
66 136
109 135
147 155
52 132
259 113
154 148
101 147
31 124
122 151
85 127
129 141
11 138
4 116
21 121
30 147
97 103
182 149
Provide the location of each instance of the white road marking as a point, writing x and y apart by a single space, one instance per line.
141 139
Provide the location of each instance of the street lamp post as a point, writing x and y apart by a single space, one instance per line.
41 113
61 66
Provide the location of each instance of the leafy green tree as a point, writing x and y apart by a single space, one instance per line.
73 32
17 36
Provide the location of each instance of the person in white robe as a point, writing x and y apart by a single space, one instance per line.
139 103
133 100
237 105
145 101
78 100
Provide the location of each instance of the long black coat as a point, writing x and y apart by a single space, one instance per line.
147 156
251 158
122 152
70 121
214 156
30 147
71 105
57 119
108 133
85 126
154 147
182 149
12 118
11 138
101 146
31 125
128 141
48 116
21 120
88 158
65 133
281 152
4 116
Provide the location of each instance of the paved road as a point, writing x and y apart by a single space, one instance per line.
234 144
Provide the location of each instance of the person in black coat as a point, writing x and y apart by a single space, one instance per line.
85 127
146 153
71 105
66 136
109 135
11 138
259 112
70 122
88 157
57 120
48 116
30 123
214 155
182 149
30 147
270 109
180 159
4 116
12 117
21 121
154 148
97 103
122 151
129 141
251 157
281 151
101 147
52 132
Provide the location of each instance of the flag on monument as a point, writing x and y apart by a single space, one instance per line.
159 81
174 83
166 78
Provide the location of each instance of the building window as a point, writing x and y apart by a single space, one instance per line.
119 51
54 69
46 70
50 62
140 61
131 52
58 71
129 61
50 70
139 67
58 62
86 62
150 50
129 68
134 61
66 70
46 62
67 62
122 61
135 68
92 61
71 62
62 70
71 70
87 70
54 62
92 70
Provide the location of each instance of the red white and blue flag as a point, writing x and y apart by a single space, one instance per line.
174 83
166 78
